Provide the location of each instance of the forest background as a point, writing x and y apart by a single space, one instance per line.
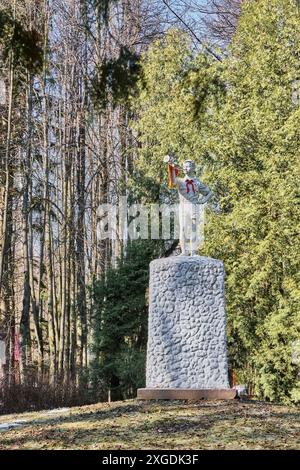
93 94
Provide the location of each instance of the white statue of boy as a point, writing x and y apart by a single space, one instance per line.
189 188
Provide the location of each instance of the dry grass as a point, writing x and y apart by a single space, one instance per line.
158 425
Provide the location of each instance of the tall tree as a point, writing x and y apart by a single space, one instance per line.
239 121
254 162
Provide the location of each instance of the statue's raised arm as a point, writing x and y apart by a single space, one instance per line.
173 170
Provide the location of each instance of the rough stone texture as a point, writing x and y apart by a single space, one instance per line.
187 324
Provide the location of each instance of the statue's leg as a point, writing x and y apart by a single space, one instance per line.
182 239
183 245
189 226
195 239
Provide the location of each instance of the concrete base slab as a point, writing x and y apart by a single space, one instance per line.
186 394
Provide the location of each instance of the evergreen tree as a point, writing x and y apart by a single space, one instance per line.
255 144
120 321
240 121
176 91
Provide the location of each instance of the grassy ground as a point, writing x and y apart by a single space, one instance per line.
157 425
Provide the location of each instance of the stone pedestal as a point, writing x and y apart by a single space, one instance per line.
187 354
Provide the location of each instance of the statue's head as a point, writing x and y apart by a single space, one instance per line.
189 167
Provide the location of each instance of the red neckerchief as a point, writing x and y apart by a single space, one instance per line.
188 182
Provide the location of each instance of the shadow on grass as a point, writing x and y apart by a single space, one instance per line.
200 425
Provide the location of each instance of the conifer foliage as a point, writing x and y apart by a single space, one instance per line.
120 322
240 121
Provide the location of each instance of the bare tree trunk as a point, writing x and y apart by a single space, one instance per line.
6 235
25 315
